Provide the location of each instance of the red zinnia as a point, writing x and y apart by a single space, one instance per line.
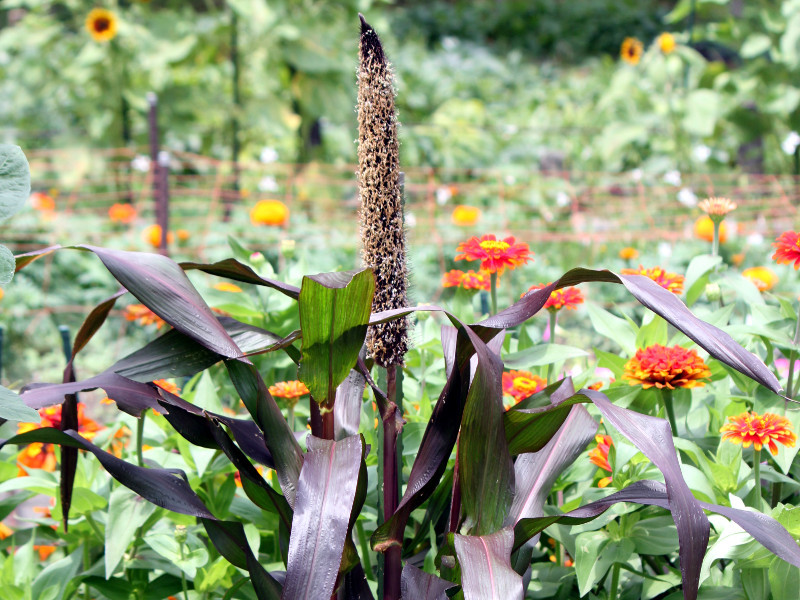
568 297
759 430
469 280
495 255
787 250
142 314
669 281
666 367
522 384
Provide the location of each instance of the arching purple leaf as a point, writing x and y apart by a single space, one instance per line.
231 268
159 486
416 584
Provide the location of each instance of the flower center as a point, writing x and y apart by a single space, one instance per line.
102 24
523 384
494 246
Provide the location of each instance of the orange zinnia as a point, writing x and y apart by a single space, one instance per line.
42 456
628 253
466 215
759 430
762 277
522 384
787 249
225 286
631 50
495 255
168 386
669 281
269 212
122 213
568 297
469 280
666 367
599 454
152 235
42 202
142 314
288 389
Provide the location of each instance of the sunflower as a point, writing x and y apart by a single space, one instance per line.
631 50
101 24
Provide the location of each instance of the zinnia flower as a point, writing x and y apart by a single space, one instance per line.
704 230
669 281
664 367
152 235
759 430
787 249
716 207
168 386
142 314
469 280
568 297
5 531
666 42
522 384
599 456
39 455
183 235
466 215
225 286
629 253
495 255
762 277
101 24
42 202
631 50
122 212
288 389
44 551
269 212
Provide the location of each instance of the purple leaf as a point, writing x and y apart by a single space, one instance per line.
159 486
233 269
23 260
347 408
162 286
94 321
486 572
326 492
419 585
653 437
537 472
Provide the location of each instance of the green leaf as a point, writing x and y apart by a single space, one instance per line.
126 513
13 409
189 559
334 312
56 575
542 354
15 180
7 265
695 282
612 327
784 580
655 332
595 553
703 107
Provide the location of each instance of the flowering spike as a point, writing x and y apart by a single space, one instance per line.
381 200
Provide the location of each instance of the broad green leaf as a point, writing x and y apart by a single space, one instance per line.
13 409
784 580
595 553
542 354
7 265
694 283
56 575
654 332
334 312
15 180
612 327
126 513
189 559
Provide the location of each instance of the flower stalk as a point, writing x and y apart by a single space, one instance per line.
756 493
666 398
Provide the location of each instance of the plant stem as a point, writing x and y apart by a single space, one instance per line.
666 396
140 439
613 592
327 421
315 417
493 280
757 479
715 243
87 562
392 564
455 498
777 492
362 541
552 318
290 415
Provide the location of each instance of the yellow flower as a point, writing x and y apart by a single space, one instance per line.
466 215
704 230
2 293
762 277
269 212
224 286
101 25
666 42
629 253
152 235
631 50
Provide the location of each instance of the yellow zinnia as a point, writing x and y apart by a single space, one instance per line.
269 212
762 277
666 42
101 25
